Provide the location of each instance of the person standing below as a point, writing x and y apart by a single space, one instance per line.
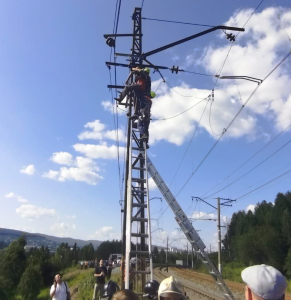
100 274
263 283
60 290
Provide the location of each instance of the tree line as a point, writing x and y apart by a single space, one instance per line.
24 273
262 236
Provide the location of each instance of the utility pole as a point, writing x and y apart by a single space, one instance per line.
219 235
218 224
187 254
167 252
192 254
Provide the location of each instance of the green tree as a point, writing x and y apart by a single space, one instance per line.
30 283
13 263
287 266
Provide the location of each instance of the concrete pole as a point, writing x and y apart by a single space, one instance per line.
219 235
192 258
167 252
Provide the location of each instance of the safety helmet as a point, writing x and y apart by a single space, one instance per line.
110 288
147 70
153 94
151 288
171 288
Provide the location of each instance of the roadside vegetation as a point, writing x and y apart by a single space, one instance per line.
262 236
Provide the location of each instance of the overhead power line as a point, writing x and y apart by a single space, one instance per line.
232 121
249 170
194 132
164 119
178 22
259 187
247 160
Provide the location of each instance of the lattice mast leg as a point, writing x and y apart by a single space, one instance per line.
136 185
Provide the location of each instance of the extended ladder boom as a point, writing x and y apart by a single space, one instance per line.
188 229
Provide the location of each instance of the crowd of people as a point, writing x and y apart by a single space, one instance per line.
263 282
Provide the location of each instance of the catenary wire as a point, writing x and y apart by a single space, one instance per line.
260 180
197 73
217 134
164 119
190 142
231 122
265 146
178 22
184 95
263 161
217 141
268 182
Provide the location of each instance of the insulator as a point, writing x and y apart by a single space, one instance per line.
230 37
175 69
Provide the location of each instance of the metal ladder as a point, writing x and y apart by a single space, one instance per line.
138 209
188 229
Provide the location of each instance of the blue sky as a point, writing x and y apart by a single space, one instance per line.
61 178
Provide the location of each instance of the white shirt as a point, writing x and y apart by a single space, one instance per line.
61 292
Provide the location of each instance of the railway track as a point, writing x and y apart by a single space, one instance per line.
204 277
160 276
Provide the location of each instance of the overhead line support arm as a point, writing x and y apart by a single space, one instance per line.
144 55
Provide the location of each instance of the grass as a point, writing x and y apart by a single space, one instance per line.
73 276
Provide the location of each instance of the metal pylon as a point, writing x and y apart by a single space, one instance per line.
138 211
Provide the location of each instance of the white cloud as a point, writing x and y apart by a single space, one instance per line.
106 232
10 195
99 151
29 170
97 132
62 158
152 185
34 212
51 174
79 174
82 169
107 105
251 207
62 229
71 217
255 53
202 215
19 198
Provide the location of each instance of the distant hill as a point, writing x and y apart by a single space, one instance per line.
42 239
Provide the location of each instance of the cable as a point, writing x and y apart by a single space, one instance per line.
248 160
231 122
190 142
183 95
262 179
197 73
264 184
177 22
142 4
250 170
210 116
164 119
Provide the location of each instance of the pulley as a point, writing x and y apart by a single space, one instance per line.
110 42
